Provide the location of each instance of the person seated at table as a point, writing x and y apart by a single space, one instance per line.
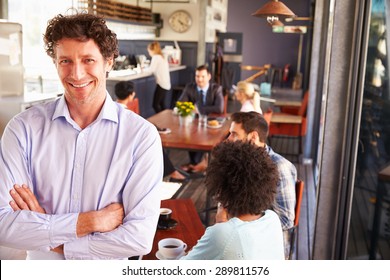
245 227
208 98
251 127
248 97
125 93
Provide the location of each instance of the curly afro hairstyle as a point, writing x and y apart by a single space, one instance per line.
242 177
81 26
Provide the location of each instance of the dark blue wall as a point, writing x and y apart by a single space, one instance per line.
260 45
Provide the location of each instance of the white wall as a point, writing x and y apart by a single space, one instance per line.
195 9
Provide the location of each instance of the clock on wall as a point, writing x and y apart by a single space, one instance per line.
180 21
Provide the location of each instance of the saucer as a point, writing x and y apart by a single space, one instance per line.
161 257
170 224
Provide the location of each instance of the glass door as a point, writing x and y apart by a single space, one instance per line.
366 241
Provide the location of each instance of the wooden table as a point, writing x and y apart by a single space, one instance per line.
288 103
189 228
192 138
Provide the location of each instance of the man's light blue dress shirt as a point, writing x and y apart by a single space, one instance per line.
117 158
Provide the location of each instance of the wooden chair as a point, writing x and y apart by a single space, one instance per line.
225 103
294 110
299 186
134 105
290 125
268 116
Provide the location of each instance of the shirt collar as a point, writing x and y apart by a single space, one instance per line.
205 89
107 112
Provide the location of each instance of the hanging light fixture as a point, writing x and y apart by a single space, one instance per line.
276 23
273 11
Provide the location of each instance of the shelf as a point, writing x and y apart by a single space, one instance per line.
112 10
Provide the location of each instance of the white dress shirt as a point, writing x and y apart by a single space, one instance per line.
117 158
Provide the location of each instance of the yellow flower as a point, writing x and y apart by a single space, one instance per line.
184 108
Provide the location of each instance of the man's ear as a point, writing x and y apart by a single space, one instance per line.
109 64
253 137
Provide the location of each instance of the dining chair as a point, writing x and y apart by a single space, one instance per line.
290 125
293 110
299 186
225 103
268 116
134 105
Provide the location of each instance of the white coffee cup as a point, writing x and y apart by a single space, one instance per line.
171 248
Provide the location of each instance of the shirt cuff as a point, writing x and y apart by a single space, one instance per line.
78 249
63 229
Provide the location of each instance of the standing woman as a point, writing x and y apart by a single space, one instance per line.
160 68
248 97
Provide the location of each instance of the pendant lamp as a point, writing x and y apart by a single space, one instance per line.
273 11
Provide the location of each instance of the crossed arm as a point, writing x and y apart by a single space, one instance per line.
104 220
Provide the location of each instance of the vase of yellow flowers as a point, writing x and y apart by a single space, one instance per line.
185 111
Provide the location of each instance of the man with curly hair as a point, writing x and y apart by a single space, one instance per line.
79 176
242 178
253 128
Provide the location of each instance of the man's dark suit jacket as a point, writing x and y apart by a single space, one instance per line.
214 98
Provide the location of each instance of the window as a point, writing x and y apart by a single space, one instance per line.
40 73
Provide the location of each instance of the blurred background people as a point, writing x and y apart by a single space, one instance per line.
248 97
160 68
208 98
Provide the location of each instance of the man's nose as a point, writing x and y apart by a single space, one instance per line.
78 71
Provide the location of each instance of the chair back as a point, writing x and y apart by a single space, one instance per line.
299 111
303 109
133 105
225 103
268 116
299 185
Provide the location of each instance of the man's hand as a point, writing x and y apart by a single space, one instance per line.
24 199
110 217
104 220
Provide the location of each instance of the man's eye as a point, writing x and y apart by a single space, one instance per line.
89 60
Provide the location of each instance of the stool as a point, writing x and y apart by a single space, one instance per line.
176 92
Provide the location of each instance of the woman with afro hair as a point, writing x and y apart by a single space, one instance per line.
242 178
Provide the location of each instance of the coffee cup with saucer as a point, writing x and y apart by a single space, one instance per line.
165 221
171 249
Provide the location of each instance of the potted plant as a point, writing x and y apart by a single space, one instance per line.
185 111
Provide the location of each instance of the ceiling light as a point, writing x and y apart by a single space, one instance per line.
273 11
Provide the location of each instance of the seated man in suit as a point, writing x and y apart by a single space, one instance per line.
208 98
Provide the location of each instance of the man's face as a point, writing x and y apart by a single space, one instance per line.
202 78
82 70
237 133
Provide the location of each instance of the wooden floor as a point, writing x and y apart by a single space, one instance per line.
195 190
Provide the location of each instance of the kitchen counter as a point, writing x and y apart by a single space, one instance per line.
129 75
